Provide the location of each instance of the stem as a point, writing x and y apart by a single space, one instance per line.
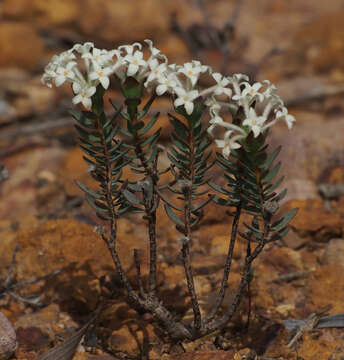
222 322
227 268
138 271
248 251
188 234
150 206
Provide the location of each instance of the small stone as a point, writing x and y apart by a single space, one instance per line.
334 253
285 309
8 339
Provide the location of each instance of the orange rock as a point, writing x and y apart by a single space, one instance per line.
205 355
278 348
27 51
21 187
326 287
320 44
110 19
312 347
73 246
53 12
130 338
17 8
313 219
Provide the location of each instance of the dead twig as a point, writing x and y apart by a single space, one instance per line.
309 325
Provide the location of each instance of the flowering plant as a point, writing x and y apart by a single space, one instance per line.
248 170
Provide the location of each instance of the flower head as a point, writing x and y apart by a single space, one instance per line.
185 98
84 96
228 143
283 115
222 83
254 122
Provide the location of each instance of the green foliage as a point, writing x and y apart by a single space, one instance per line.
250 173
106 156
189 164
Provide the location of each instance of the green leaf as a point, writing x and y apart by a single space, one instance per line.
168 202
173 216
179 127
132 199
151 138
254 229
220 201
88 191
98 206
202 205
218 188
271 187
126 133
278 235
284 220
111 135
281 195
181 145
271 174
271 158
150 124
147 106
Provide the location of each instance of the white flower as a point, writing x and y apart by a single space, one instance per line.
222 82
203 68
236 80
84 96
154 51
254 122
270 90
283 115
130 48
101 74
83 49
192 71
252 92
228 143
134 61
166 83
185 98
66 57
65 73
157 70
96 56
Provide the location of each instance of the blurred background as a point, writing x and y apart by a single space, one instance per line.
296 44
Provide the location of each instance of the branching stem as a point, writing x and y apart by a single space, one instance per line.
227 268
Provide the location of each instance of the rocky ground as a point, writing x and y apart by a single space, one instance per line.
298 45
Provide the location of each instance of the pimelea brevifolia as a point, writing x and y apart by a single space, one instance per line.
248 170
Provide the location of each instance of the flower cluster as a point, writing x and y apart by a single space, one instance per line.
260 104
97 67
